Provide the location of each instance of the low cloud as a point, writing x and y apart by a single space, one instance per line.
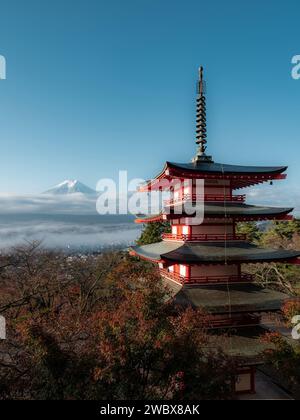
71 221
68 222
67 232
47 204
278 195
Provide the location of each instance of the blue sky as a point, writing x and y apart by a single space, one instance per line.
97 86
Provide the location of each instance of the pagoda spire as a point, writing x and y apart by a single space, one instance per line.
201 121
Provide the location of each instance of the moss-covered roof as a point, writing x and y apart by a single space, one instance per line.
246 344
231 298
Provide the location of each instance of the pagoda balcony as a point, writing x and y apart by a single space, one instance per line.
203 237
206 198
233 321
242 278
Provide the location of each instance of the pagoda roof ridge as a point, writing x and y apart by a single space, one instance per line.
225 167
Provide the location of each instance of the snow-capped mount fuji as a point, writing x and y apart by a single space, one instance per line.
70 186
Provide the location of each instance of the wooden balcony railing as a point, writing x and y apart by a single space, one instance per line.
241 320
206 198
206 279
203 237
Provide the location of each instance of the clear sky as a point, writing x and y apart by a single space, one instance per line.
96 86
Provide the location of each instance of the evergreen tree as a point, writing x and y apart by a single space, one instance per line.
286 230
251 230
282 234
152 232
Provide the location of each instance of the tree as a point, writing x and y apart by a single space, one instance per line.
282 235
284 361
149 352
283 277
152 232
250 229
290 309
114 337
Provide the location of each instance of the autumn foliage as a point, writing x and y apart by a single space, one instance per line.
101 328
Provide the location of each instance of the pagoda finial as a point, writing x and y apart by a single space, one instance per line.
201 121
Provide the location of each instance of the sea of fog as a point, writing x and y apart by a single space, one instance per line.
70 221
82 233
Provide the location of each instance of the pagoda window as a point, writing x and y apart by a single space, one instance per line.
171 269
182 270
174 230
186 190
176 195
185 230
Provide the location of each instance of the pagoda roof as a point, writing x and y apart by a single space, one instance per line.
239 210
235 209
225 298
223 168
241 175
211 252
244 344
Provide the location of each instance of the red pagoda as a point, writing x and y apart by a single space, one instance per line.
203 263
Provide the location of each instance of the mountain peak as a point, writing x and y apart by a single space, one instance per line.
70 186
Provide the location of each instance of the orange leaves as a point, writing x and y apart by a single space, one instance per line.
104 330
290 309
